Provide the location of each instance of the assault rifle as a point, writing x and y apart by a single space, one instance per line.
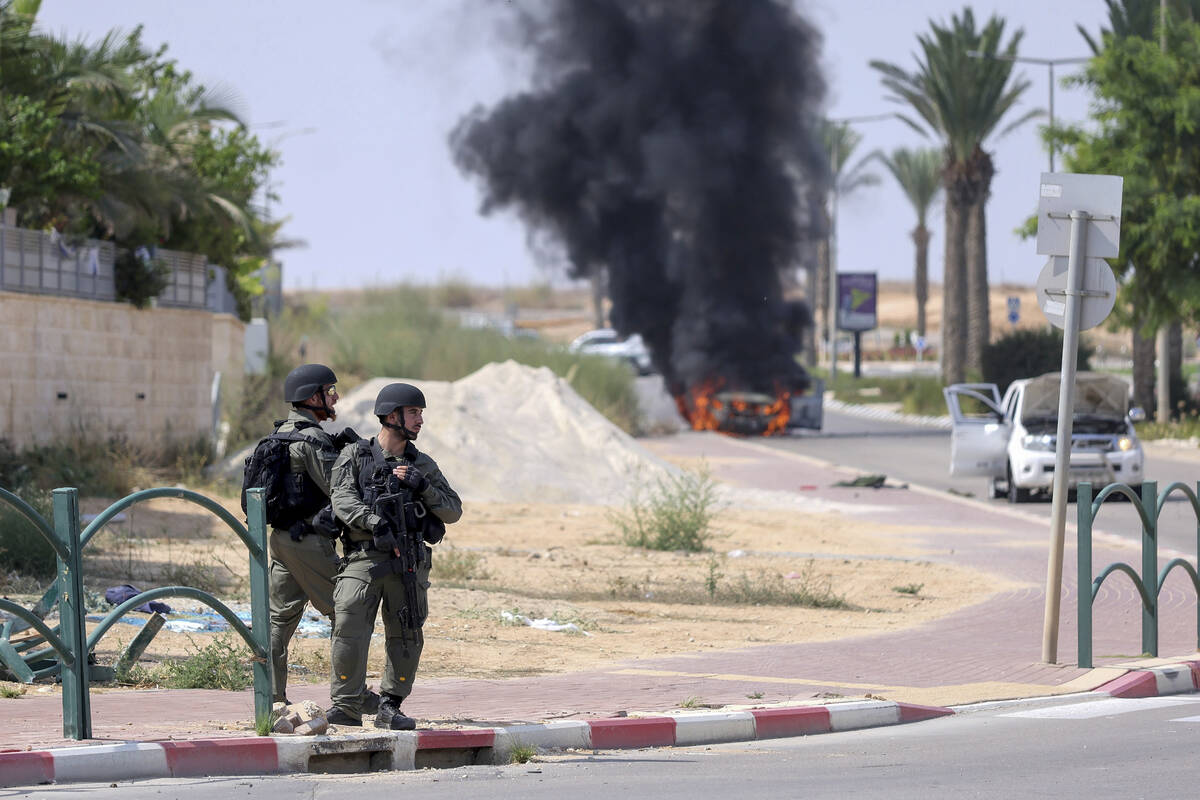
396 504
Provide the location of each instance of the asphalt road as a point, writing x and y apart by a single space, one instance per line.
1083 746
913 454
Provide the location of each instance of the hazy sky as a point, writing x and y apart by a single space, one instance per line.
359 96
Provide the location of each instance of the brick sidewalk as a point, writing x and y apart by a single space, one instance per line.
987 651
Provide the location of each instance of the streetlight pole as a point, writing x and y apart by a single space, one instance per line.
835 171
1048 62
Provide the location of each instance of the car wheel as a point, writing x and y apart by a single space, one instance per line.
997 488
1015 494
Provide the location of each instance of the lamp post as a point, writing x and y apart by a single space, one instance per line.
1050 64
835 170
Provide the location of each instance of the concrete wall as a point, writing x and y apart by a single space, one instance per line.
70 367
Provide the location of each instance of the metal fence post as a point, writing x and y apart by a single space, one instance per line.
77 709
1150 568
1083 562
256 519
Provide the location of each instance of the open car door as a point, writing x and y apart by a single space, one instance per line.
979 439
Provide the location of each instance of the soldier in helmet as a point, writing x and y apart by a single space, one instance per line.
303 558
393 501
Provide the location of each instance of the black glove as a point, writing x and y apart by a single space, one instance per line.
384 536
347 436
325 524
415 479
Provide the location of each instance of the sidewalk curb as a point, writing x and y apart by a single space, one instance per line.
1155 681
386 750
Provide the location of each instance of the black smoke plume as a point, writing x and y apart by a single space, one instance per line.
673 144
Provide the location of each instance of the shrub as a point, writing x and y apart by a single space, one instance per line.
23 549
138 277
675 515
1027 354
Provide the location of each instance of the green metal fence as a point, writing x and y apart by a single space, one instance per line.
69 640
1150 582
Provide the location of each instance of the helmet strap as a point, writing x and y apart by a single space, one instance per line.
322 412
403 431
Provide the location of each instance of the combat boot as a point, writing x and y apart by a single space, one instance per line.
370 702
335 716
391 717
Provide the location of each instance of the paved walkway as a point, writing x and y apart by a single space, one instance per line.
988 651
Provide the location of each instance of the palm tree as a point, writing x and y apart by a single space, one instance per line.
840 141
919 173
962 100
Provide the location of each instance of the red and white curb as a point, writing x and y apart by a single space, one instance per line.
1156 681
362 752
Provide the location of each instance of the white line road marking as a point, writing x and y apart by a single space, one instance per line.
1102 708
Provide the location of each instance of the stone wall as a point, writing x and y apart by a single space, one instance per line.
71 367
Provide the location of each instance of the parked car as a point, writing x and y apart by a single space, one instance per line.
1011 441
607 342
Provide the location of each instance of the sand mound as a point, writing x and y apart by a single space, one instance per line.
512 433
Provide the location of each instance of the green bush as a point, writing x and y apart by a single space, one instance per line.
23 549
222 664
675 515
916 394
1026 354
139 279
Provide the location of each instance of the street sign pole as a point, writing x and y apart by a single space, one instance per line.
1073 298
1066 420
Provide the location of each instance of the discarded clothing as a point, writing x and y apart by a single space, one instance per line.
116 595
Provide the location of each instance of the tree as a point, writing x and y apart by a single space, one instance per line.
1146 127
113 140
1141 18
840 141
919 173
962 100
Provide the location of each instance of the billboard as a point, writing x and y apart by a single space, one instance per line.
856 296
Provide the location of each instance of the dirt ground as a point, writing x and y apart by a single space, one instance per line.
567 564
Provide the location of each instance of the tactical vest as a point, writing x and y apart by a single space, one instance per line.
373 472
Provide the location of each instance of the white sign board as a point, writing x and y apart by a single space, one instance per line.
1097 195
1098 292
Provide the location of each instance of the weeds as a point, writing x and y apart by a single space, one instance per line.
453 566
12 692
807 590
265 723
676 515
691 702
222 664
521 753
23 548
755 696
912 588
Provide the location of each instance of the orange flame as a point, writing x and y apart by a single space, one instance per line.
706 408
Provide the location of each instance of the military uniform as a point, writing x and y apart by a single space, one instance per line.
302 570
357 595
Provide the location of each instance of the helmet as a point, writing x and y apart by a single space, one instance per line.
397 395
305 381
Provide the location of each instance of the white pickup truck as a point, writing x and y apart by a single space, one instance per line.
1011 441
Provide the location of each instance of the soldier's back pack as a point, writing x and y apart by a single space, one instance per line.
269 467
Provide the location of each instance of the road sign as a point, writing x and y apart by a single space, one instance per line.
1098 292
856 292
1014 309
1097 195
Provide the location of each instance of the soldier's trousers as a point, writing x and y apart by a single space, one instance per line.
301 572
357 599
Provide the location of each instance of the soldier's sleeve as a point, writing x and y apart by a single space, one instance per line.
347 504
440 498
319 461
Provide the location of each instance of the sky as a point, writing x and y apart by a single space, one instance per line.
359 97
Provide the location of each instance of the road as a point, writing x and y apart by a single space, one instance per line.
1082 746
913 454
